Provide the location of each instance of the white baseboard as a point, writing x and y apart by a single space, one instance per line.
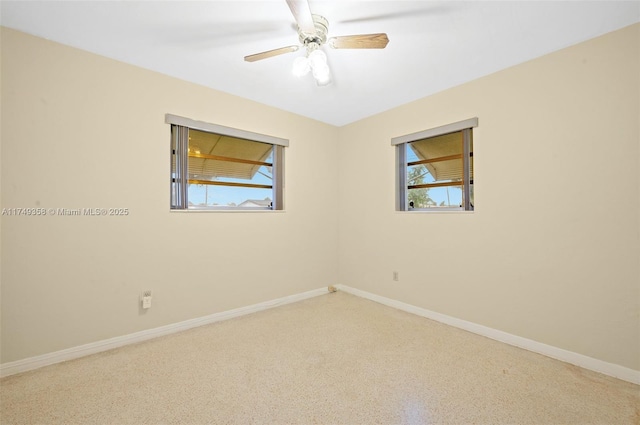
36 362
610 369
583 361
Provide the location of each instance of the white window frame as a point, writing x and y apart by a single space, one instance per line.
400 143
179 145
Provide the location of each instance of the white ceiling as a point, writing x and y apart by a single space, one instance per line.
433 45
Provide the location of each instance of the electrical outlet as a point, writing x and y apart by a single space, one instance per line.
146 299
396 276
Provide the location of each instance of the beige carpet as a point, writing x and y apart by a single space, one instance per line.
333 359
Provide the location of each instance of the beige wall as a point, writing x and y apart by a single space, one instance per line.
79 130
552 251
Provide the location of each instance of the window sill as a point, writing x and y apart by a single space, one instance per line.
435 212
205 211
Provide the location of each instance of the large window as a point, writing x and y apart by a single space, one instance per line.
435 168
221 168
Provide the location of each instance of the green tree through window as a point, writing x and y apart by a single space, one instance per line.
419 197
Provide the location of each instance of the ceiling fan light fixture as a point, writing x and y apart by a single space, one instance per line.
317 58
321 73
301 66
323 79
318 62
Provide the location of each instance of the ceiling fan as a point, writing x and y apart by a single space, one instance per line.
312 32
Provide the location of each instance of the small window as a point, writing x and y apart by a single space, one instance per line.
435 169
219 168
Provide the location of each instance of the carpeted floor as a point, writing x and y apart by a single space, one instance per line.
333 359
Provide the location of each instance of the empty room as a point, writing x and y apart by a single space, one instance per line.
320 212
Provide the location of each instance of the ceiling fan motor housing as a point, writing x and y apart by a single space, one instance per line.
320 36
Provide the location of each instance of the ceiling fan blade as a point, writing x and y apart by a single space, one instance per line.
270 53
302 14
361 41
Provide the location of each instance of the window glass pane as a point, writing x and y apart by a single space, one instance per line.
435 172
439 146
227 171
436 197
436 166
210 196
418 174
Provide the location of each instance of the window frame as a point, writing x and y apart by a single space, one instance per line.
401 143
179 147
